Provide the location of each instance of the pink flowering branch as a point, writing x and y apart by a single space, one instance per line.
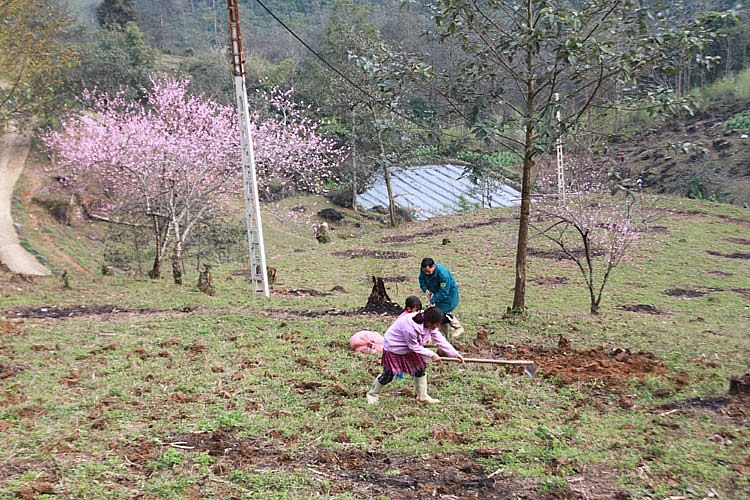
291 153
593 229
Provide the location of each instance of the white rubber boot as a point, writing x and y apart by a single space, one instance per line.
455 326
372 394
420 384
458 330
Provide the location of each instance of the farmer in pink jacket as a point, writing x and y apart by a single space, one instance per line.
404 351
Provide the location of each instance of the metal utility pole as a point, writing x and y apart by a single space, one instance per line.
258 271
560 163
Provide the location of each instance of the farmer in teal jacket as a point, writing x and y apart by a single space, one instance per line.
442 291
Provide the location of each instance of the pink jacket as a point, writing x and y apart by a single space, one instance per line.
405 335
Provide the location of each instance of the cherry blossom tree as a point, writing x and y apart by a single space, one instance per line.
593 228
171 160
291 154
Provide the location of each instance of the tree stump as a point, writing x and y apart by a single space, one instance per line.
271 273
205 283
740 385
379 301
321 233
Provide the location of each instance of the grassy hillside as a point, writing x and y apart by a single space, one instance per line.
116 387
705 155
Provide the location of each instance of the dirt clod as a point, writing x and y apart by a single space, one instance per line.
644 308
567 365
374 254
368 474
54 312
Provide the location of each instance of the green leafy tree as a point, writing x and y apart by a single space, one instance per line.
183 26
118 59
211 76
369 98
525 61
116 14
396 135
730 48
36 58
343 97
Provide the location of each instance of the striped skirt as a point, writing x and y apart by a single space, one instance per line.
409 363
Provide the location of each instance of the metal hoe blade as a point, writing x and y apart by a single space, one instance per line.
531 370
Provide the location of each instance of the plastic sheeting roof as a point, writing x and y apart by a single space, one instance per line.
432 190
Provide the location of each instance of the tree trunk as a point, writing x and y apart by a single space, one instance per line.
387 178
391 200
155 272
354 160
522 245
177 263
519 294
594 309
137 247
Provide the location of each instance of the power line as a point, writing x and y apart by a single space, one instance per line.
336 70
322 59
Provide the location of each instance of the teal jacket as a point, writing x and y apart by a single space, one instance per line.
443 287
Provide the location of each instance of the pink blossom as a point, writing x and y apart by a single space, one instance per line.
176 157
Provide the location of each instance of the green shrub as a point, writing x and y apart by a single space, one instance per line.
169 460
728 89
429 151
740 121
466 205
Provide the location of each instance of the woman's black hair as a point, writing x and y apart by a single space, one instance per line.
433 315
413 301
430 315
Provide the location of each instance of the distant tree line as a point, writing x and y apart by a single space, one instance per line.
133 37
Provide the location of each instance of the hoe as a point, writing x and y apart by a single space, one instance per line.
529 367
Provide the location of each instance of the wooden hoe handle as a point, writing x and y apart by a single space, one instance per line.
491 361
529 367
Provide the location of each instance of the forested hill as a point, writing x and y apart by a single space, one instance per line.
680 156
356 62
